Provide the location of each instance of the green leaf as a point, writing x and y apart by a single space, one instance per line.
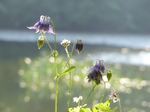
74 109
130 111
114 109
66 71
107 103
102 107
86 110
79 109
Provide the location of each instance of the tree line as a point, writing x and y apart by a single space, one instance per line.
78 15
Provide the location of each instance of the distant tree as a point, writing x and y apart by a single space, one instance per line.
77 15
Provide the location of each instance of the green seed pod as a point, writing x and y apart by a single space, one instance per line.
109 75
40 42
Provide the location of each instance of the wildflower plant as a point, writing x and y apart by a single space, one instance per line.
95 75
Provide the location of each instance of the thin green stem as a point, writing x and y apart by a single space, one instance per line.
56 71
55 65
70 78
73 47
66 49
54 41
56 94
70 55
56 85
89 94
102 96
48 44
69 90
55 55
93 95
120 105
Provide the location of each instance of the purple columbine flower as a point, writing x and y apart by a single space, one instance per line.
43 26
96 72
102 67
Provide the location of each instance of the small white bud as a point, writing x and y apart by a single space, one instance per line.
65 43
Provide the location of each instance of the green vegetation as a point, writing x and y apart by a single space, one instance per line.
37 77
131 81
79 15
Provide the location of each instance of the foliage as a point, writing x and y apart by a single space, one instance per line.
100 107
38 75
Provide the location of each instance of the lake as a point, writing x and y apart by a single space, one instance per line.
132 48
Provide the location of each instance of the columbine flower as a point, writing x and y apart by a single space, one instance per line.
96 72
43 26
114 96
79 45
102 67
65 43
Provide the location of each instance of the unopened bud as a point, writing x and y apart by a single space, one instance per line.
79 45
54 52
40 42
109 75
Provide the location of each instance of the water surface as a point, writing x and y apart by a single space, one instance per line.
134 49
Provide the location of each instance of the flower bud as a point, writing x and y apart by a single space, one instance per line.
79 45
55 53
109 75
65 43
40 42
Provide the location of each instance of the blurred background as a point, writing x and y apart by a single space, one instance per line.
114 31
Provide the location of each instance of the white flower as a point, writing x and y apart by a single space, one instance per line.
80 97
75 99
115 100
65 43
